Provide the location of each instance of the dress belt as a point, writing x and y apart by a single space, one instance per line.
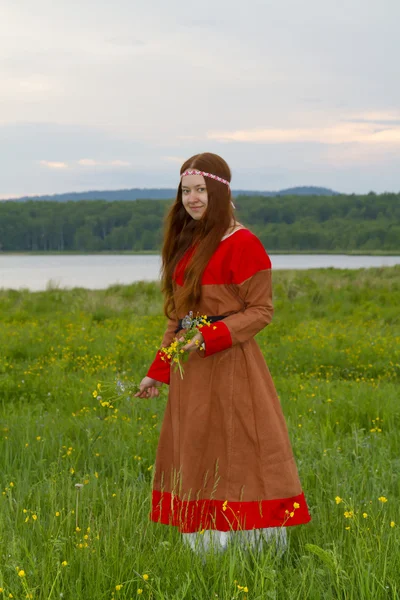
212 319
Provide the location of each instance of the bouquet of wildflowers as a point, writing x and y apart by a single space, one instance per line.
111 397
174 352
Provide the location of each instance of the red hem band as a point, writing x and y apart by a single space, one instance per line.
195 515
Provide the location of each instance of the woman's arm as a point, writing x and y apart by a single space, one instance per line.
252 276
160 367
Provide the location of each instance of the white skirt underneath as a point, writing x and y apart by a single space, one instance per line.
219 540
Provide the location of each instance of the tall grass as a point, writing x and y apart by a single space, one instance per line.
333 351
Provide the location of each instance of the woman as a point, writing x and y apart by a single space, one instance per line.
224 465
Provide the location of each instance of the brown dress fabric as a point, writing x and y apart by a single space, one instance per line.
224 458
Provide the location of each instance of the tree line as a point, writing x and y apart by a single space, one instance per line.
290 223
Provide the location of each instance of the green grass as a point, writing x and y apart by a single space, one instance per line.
333 351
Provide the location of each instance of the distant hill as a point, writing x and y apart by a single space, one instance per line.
167 194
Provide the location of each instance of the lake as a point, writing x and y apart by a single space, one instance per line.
100 271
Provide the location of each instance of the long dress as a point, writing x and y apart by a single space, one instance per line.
224 460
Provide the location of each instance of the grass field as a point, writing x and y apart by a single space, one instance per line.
76 469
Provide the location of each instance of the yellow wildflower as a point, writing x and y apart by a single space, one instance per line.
382 499
338 500
64 563
365 515
140 591
348 514
296 505
118 587
392 523
21 573
145 577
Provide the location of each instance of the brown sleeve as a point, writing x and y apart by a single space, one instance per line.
160 367
256 293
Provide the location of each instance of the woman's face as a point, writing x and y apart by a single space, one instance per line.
194 195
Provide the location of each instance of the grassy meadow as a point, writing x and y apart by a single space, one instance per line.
76 458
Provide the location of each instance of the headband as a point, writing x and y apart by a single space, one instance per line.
196 172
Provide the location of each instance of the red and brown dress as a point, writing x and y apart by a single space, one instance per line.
224 459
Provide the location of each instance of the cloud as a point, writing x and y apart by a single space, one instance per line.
88 162
119 163
53 164
379 118
152 90
358 131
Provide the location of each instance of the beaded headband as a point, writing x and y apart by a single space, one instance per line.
196 172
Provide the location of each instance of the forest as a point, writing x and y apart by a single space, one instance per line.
340 223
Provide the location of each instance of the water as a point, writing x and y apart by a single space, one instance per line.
97 272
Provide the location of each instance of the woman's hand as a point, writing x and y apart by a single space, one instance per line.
148 388
190 347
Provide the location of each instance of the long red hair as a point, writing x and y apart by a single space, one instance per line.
181 232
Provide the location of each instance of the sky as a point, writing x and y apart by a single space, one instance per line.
111 95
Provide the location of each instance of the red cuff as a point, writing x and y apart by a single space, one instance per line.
160 369
217 337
